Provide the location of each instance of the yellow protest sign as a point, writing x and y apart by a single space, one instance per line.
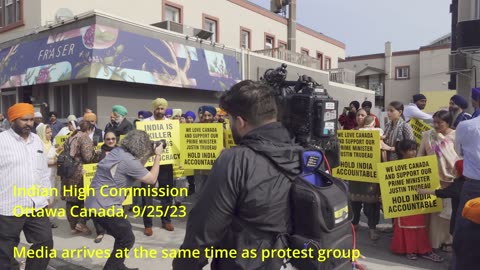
229 142
201 145
180 171
419 127
167 130
99 145
60 140
399 183
90 170
359 155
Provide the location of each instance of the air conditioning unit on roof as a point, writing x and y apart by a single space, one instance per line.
184 29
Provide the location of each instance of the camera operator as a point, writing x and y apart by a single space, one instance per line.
246 203
348 117
119 169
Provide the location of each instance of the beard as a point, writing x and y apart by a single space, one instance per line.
119 119
159 116
25 131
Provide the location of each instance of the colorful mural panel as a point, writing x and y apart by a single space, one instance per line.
103 52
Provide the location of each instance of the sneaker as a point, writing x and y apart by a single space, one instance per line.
169 227
148 231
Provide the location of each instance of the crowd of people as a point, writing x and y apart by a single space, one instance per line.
422 235
247 204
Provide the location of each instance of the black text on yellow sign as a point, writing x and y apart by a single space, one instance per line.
201 145
359 155
419 127
229 142
399 181
90 170
168 130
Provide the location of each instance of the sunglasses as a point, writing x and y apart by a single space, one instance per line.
110 139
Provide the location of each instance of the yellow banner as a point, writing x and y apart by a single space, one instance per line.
201 145
90 170
180 172
229 142
359 155
419 127
60 140
399 183
168 130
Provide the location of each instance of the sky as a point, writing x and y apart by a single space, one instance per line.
365 25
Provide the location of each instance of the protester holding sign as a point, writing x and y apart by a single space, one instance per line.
440 142
410 235
396 130
165 177
366 195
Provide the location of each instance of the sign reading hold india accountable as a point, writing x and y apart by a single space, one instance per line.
399 182
201 145
359 155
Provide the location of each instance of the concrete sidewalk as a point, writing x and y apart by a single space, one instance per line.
377 255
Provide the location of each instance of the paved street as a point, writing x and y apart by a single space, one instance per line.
377 255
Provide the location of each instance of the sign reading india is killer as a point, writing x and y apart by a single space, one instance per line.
90 170
168 130
201 145
359 155
400 181
419 127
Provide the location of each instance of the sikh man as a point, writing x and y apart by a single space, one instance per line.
165 177
23 165
414 110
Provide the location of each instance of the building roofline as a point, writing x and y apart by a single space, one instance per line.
364 57
267 13
399 53
435 47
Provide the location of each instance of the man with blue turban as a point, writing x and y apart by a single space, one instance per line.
190 117
207 114
457 107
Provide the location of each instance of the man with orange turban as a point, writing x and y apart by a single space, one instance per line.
23 165
97 134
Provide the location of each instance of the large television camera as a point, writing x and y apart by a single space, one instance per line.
307 110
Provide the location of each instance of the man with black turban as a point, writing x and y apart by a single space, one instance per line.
457 107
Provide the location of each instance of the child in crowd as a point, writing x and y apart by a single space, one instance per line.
369 124
410 236
452 191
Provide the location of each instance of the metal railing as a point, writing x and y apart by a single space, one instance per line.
342 75
292 57
339 75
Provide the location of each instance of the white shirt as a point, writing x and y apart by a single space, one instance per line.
412 111
467 144
22 165
152 118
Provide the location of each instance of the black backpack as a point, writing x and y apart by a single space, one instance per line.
66 164
321 215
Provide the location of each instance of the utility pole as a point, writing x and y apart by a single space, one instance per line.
292 26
